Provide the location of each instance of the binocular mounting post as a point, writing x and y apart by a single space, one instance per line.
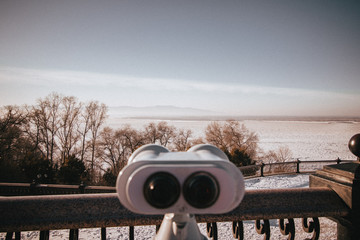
179 226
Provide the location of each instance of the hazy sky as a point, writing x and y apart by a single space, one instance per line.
237 57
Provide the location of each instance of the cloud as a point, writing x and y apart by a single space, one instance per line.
53 78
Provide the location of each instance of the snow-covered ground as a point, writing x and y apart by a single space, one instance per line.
308 140
328 227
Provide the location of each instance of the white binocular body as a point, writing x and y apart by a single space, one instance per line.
199 181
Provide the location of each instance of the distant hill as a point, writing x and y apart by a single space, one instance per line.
165 112
160 112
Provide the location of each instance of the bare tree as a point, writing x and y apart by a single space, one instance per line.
214 134
133 138
97 116
166 133
11 120
32 128
11 115
281 155
160 133
231 136
196 141
116 146
182 140
83 130
237 136
151 133
68 133
112 150
47 117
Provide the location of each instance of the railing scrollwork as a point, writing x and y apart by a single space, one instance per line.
238 230
312 227
263 227
287 229
211 229
45 235
74 234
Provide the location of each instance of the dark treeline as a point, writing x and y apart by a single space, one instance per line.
62 140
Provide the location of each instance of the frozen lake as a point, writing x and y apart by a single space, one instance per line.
308 140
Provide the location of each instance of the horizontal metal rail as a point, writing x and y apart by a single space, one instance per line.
30 213
292 167
30 189
251 171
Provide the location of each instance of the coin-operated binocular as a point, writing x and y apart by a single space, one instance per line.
180 184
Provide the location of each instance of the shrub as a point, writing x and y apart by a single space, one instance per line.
72 172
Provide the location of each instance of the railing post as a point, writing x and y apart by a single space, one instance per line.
298 165
82 187
74 234
103 233
44 235
262 169
33 185
131 233
9 236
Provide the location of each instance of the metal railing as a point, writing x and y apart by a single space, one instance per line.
291 167
31 189
251 171
80 209
104 210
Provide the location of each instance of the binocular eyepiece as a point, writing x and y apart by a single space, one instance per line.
201 180
162 190
201 190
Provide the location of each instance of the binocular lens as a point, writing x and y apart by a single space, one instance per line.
161 190
201 190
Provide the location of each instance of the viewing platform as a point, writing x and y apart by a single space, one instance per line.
333 192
